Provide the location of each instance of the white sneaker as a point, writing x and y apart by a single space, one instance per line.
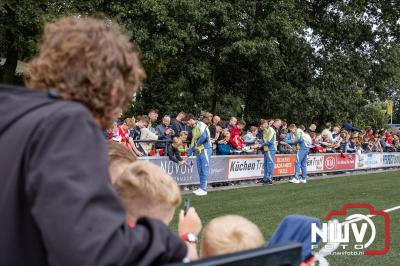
294 181
303 181
200 192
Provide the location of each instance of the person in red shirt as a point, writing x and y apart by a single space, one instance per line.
123 132
235 139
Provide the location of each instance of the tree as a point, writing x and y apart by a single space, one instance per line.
21 25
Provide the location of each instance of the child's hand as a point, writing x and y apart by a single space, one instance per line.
189 223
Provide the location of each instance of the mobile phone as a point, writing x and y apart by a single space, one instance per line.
186 206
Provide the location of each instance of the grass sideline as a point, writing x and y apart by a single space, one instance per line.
267 206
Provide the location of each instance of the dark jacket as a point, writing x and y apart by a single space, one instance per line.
213 130
57 205
349 127
161 132
173 154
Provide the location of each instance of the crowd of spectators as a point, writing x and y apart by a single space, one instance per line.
143 138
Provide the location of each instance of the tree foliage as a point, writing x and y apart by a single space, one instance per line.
301 60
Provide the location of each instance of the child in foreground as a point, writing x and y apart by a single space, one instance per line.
119 158
146 190
230 234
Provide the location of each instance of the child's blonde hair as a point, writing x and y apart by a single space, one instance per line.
146 190
119 158
229 234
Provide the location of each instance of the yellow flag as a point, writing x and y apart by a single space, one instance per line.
390 107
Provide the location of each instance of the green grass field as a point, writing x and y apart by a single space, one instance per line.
267 206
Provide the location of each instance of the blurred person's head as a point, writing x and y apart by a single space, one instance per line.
119 159
270 122
128 123
230 234
183 135
147 191
143 122
241 124
180 116
226 134
312 127
207 120
313 135
336 130
176 142
153 115
284 124
292 128
216 120
166 121
277 123
190 120
88 62
328 126
283 133
302 127
253 130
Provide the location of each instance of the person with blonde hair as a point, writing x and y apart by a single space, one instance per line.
147 191
230 234
118 159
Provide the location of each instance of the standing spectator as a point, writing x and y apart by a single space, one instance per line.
270 143
235 138
134 137
201 146
177 125
223 146
370 132
65 211
316 145
261 126
153 116
164 132
217 137
311 128
291 140
113 133
396 143
270 122
336 134
327 132
213 127
232 123
284 127
123 133
146 134
283 146
348 125
251 136
207 118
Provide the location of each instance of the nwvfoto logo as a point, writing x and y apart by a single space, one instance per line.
356 225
